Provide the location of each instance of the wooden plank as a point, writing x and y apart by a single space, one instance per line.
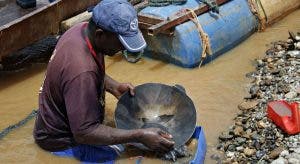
149 19
34 26
66 24
179 19
28 29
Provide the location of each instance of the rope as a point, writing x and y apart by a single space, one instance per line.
206 47
7 130
159 3
254 9
38 52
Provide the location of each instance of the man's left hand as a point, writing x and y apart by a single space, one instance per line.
124 87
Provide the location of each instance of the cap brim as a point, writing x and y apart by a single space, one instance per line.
134 43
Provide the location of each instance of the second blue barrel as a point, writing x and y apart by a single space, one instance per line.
234 23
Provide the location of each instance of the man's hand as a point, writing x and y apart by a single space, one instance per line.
156 139
116 88
122 88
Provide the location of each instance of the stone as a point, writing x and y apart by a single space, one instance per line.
279 161
293 161
254 90
291 95
230 154
284 153
215 157
240 140
275 153
261 124
225 136
295 155
269 60
255 136
231 148
294 53
240 148
247 105
260 63
297 150
259 154
238 130
289 41
297 45
249 152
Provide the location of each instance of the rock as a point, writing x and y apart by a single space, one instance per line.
238 130
279 161
231 148
255 136
240 140
295 155
297 45
291 95
256 145
260 63
247 105
275 153
284 153
297 150
295 54
215 157
269 60
240 148
260 154
261 124
249 152
293 161
289 41
254 90
230 154
225 136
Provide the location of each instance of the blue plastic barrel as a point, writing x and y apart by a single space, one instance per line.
232 25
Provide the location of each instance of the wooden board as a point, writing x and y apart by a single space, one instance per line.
274 10
37 24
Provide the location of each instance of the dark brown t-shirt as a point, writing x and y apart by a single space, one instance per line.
71 98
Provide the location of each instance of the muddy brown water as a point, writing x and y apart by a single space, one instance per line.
216 89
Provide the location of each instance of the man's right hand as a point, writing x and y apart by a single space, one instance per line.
156 139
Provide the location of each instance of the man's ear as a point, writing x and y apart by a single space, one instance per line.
98 33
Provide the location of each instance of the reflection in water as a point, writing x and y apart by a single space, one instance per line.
216 89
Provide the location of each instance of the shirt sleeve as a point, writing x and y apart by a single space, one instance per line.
83 108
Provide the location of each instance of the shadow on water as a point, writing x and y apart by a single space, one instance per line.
8 79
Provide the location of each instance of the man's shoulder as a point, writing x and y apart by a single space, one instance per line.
71 54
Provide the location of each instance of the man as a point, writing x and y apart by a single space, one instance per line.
71 100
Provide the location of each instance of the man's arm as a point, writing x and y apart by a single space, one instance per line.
153 138
116 88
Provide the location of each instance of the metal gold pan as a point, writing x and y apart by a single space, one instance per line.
160 106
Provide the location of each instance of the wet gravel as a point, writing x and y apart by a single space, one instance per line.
253 138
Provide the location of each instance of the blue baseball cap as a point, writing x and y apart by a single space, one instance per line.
120 17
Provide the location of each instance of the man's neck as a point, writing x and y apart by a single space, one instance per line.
92 40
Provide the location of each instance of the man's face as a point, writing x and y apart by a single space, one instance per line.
109 43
